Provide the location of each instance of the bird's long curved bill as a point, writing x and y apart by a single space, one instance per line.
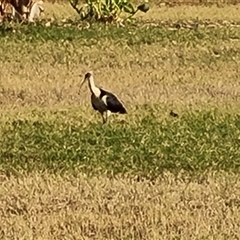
82 84
79 91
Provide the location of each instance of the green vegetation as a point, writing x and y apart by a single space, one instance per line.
107 11
161 33
143 145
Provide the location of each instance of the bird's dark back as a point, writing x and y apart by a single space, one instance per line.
113 103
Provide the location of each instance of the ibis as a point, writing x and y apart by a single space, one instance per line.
103 101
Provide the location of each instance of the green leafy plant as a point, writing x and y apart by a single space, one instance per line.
107 10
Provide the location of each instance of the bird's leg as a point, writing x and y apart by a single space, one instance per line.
108 113
104 119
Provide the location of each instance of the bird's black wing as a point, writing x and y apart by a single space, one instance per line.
113 104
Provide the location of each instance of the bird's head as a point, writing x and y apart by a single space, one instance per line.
87 77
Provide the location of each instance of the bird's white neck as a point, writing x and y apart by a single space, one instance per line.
95 90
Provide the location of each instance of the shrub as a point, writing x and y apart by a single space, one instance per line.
107 10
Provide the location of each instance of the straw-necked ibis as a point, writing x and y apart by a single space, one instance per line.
103 101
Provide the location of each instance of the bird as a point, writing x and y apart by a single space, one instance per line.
103 101
173 114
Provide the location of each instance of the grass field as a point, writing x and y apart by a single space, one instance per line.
43 206
146 175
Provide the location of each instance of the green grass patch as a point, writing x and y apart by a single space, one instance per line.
197 141
70 45
131 35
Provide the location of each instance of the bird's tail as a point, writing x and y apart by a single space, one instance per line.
123 111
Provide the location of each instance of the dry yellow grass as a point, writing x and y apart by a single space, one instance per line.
192 12
156 12
152 75
43 206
